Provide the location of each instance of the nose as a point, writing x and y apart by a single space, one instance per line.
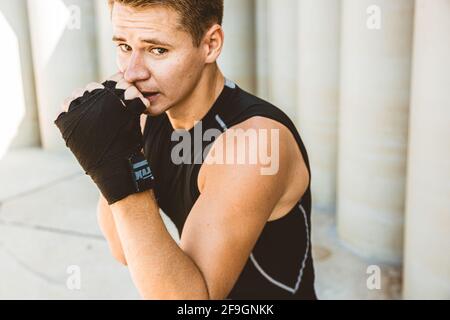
136 69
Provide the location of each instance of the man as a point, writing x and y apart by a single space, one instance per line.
245 232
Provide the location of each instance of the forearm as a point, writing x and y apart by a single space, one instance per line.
159 267
108 228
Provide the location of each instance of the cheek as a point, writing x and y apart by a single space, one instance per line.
172 73
187 69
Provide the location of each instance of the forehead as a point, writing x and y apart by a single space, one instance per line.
156 20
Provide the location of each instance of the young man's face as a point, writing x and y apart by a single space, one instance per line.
156 55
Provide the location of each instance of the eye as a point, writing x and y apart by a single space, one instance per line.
124 47
159 51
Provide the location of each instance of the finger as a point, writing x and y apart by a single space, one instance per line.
77 93
132 93
94 86
145 102
137 106
123 84
66 104
111 82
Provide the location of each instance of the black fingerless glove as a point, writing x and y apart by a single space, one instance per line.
102 130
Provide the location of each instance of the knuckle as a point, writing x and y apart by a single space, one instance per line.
93 86
123 84
137 94
65 105
131 93
77 93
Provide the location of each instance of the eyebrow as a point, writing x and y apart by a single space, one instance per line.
149 41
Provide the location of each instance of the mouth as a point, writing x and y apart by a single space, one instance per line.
151 96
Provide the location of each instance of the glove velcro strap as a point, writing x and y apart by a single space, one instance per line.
121 178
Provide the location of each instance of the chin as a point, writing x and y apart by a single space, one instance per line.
156 110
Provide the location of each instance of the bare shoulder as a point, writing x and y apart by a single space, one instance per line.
270 149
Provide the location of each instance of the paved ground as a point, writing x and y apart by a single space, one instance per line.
48 224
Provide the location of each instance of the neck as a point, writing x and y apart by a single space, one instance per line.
200 100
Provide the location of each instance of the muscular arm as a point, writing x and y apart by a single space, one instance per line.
107 223
159 268
218 236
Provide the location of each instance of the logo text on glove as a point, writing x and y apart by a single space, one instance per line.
142 171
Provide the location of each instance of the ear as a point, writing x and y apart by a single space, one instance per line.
213 43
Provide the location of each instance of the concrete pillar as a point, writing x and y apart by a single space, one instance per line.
106 49
262 45
237 60
64 51
18 112
282 54
427 230
318 93
375 87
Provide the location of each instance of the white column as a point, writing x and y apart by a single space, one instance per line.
64 52
18 111
262 45
107 64
237 60
375 82
427 232
282 51
318 93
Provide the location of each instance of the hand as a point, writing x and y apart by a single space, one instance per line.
100 125
125 90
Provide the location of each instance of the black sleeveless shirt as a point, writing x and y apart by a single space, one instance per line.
280 265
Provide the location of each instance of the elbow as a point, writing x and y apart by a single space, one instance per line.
122 261
119 256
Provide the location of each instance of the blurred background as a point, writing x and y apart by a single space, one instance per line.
367 83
